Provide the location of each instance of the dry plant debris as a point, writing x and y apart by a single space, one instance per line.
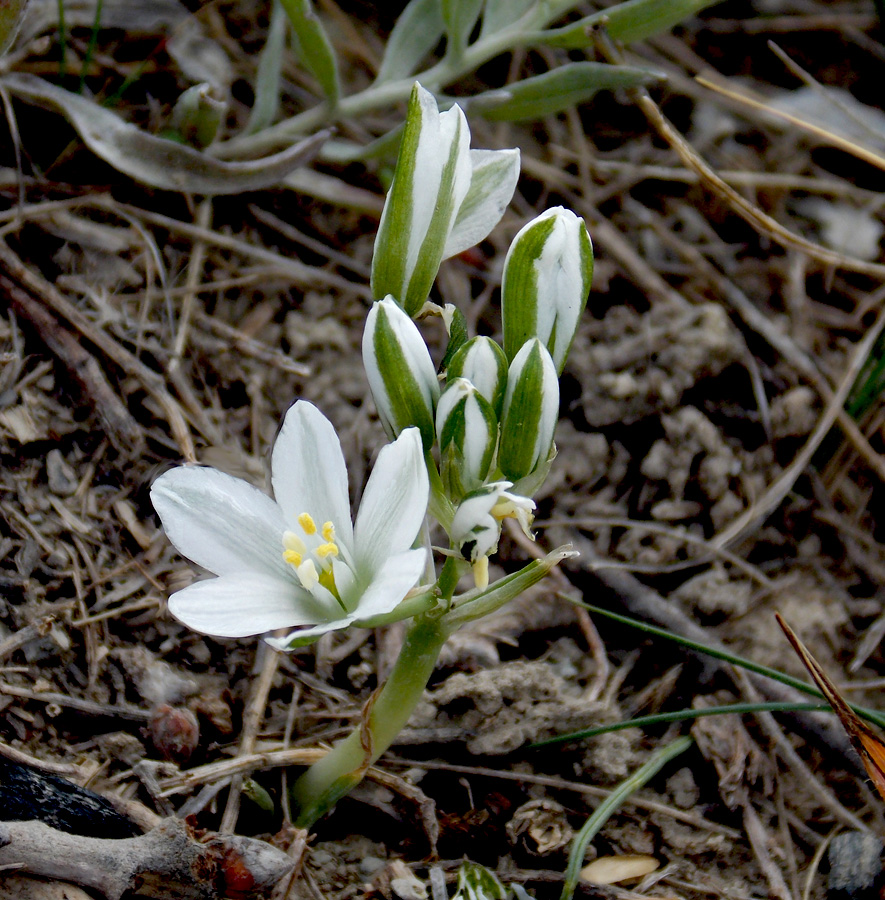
707 468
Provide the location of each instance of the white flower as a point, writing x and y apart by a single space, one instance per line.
476 527
297 562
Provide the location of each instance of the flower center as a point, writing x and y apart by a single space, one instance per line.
311 553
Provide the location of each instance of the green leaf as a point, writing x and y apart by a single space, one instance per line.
627 22
558 89
459 16
417 31
500 14
314 47
270 64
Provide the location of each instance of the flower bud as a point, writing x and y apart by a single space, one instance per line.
199 114
444 198
483 363
400 371
531 408
476 527
468 433
546 281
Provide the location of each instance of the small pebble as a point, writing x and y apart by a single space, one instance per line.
855 866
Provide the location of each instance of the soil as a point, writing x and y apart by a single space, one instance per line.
699 469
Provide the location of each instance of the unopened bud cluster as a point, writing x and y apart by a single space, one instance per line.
492 412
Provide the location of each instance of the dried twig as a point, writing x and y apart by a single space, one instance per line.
165 862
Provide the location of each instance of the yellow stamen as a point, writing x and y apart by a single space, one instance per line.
328 532
307 523
325 550
481 572
293 557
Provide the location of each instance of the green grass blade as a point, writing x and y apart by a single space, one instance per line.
870 715
683 715
621 793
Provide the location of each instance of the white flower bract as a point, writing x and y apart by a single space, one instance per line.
298 561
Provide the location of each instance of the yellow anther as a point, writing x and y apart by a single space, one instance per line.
328 532
325 550
481 572
293 557
307 523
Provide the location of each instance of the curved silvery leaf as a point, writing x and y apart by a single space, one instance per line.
483 363
400 371
468 433
546 281
431 184
153 160
297 561
531 408
476 526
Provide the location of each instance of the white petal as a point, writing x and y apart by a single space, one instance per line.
309 473
241 605
394 503
387 590
221 523
303 636
493 181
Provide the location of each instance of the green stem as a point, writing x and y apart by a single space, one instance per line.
594 824
337 773
379 96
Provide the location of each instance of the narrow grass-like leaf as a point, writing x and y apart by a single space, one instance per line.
270 64
681 715
556 90
627 22
604 811
156 161
870 715
315 48
90 47
417 31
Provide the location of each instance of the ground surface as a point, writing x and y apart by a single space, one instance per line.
696 451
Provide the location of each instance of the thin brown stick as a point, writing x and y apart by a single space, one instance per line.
268 662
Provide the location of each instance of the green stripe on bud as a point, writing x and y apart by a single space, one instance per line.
400 371
468 434
546 281
531 408
483 363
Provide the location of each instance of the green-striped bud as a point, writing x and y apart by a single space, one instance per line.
547 274
468 433
444 198
400 371
483 363
531 408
